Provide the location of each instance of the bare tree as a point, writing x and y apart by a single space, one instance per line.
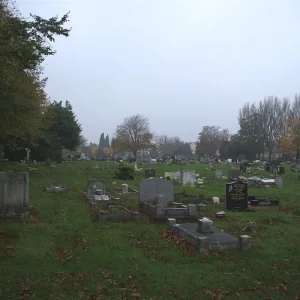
262 126
134 134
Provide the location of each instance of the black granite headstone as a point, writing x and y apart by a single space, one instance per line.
268 167
152 172
280 170
147 173
243 167
236 195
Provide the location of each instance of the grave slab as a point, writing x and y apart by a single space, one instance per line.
56 187
213 240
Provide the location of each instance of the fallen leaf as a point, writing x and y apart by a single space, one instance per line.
136 296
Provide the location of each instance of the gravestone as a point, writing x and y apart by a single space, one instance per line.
176 175
124 188
236 195
152 172
206 237
218 174
27 153
233 174
173 175
147 173
268 167
188 178
56 186
168 176
280 170
279 181
243 167
150 189
94 185
14 192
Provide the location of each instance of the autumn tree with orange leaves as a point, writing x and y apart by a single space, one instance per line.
291 142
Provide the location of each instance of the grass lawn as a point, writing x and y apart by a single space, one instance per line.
62 254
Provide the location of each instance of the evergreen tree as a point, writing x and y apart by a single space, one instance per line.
102 141
107 145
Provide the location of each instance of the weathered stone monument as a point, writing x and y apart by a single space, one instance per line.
279 181
14 195
149 189
206 237
93 186
188 178
156 200
218 174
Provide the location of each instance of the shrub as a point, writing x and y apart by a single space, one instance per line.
125 171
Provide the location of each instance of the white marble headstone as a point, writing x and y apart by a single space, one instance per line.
188 178
218 174
279 181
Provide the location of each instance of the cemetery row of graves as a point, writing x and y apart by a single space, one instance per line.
204 212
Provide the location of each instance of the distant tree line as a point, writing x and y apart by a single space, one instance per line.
269 127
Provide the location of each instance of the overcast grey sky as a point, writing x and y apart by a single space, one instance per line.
184 64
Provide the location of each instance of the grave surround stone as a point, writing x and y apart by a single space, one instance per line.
208 237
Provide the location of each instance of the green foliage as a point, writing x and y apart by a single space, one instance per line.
64 131
233 148
102 141
107 144
125 171
24 45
